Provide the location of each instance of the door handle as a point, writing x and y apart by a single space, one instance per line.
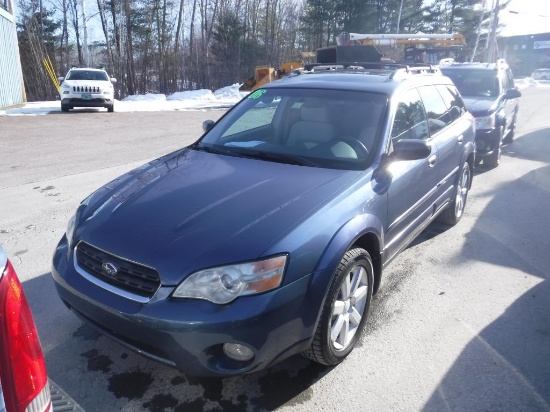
460 138
432 160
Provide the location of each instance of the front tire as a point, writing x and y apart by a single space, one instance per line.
510 136
345 310
493 160
64 108
453 213
111 108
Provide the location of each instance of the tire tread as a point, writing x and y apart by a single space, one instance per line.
315 352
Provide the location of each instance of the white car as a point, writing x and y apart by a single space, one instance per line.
541 74
87 87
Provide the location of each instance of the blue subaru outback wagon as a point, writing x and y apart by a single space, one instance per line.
268 236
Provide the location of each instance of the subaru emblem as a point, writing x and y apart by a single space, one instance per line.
109 268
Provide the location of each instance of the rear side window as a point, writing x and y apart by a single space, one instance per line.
436 109
409 120
453 101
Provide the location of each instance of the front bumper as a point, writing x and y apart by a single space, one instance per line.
487 141
93 102
189 333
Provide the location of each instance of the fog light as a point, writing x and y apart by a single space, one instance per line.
238 352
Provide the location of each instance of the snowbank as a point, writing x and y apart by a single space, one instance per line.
150 102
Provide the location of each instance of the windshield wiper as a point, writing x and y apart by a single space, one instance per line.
217 150
279 157
257 154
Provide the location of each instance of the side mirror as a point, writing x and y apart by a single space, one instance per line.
411 149
60 79
113 80
207 125
512 93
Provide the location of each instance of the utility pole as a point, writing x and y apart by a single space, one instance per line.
478 36
492 49
399 16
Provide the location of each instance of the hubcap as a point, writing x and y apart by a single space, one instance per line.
349 308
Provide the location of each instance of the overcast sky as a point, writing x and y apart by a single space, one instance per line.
533 16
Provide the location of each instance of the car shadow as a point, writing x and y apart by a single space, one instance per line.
523 148
505 366
80 110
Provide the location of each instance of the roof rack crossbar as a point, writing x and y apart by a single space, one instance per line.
397 69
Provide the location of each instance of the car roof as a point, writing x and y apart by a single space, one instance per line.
377 81
86 68
476 66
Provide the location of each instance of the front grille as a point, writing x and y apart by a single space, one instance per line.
86 89
130 277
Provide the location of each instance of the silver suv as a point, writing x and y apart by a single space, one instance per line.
87 87
541 74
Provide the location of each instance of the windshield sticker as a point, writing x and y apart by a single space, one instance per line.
297 105
257 94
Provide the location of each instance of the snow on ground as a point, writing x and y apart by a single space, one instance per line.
186 100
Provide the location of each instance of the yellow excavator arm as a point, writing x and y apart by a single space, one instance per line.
266 74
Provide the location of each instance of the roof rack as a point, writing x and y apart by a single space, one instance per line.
83 66
398 70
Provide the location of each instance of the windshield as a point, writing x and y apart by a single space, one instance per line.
87 75
476 83
310 127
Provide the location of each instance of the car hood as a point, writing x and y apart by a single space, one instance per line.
194 209
480 106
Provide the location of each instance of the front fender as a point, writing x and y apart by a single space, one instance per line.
352 233
348 234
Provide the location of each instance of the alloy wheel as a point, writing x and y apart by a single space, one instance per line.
349 308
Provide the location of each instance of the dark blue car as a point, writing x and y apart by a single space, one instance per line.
268 236
490 95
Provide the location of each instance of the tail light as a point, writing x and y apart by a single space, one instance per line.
22 366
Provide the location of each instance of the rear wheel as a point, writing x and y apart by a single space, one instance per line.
493 160
452 214
344 313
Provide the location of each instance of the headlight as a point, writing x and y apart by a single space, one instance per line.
65 86
486 122
69 233
224 284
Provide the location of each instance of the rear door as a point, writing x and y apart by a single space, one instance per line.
449 131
